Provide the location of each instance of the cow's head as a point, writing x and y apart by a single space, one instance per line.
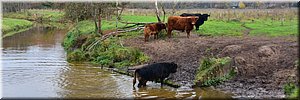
161 26
204 16
193 19
173 67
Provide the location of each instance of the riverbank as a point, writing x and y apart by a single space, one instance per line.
39 15
11 26
259 55
80 44
264 64
15 22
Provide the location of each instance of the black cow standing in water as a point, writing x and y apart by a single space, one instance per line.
154 72
200 21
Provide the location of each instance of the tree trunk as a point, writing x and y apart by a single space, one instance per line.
163 9
99 24
95 21
174 6
156 12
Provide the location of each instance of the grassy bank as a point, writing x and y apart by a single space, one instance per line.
108 53
37 15
15 22
11 26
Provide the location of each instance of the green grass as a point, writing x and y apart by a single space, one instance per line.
221 28
131 18
45 15
84 28
273 28
11 26
291 90
233 28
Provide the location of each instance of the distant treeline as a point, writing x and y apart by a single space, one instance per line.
17 6
219 5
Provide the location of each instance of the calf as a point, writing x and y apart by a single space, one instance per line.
181 23
200 21
153 29
154 72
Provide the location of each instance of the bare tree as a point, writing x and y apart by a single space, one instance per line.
156 11
164 12
174 7
119 13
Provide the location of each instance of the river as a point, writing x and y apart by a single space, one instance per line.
34 65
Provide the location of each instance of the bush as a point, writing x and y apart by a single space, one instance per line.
76 55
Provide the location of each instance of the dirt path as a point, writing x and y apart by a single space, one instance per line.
264 64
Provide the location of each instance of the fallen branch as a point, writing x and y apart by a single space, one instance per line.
109 34
137 23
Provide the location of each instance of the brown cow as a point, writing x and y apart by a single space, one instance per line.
153 29
181 23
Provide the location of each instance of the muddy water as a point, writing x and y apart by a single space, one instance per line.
34 65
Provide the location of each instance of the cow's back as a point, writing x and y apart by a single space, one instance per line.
154 71
177 22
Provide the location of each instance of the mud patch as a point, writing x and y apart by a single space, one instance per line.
257 59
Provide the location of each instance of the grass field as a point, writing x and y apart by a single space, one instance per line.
273 28
214 27
32 15
11 26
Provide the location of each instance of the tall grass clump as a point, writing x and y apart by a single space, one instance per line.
213 71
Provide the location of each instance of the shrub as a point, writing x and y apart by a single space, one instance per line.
76 55
213 71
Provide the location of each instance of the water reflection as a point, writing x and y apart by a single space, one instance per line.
31 61
86 81
155 91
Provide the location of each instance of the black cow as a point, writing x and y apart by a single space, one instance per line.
200 21
154 72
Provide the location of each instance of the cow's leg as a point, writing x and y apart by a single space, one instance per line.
197 27
140 82
155 35
188 33
161 82
144 83
169 32
146 37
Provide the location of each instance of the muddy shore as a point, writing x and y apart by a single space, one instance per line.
264 64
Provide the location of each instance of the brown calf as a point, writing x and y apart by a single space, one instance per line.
153 29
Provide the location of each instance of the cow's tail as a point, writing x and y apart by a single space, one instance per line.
135 75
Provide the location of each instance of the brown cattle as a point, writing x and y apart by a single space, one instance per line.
153 29
181 23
